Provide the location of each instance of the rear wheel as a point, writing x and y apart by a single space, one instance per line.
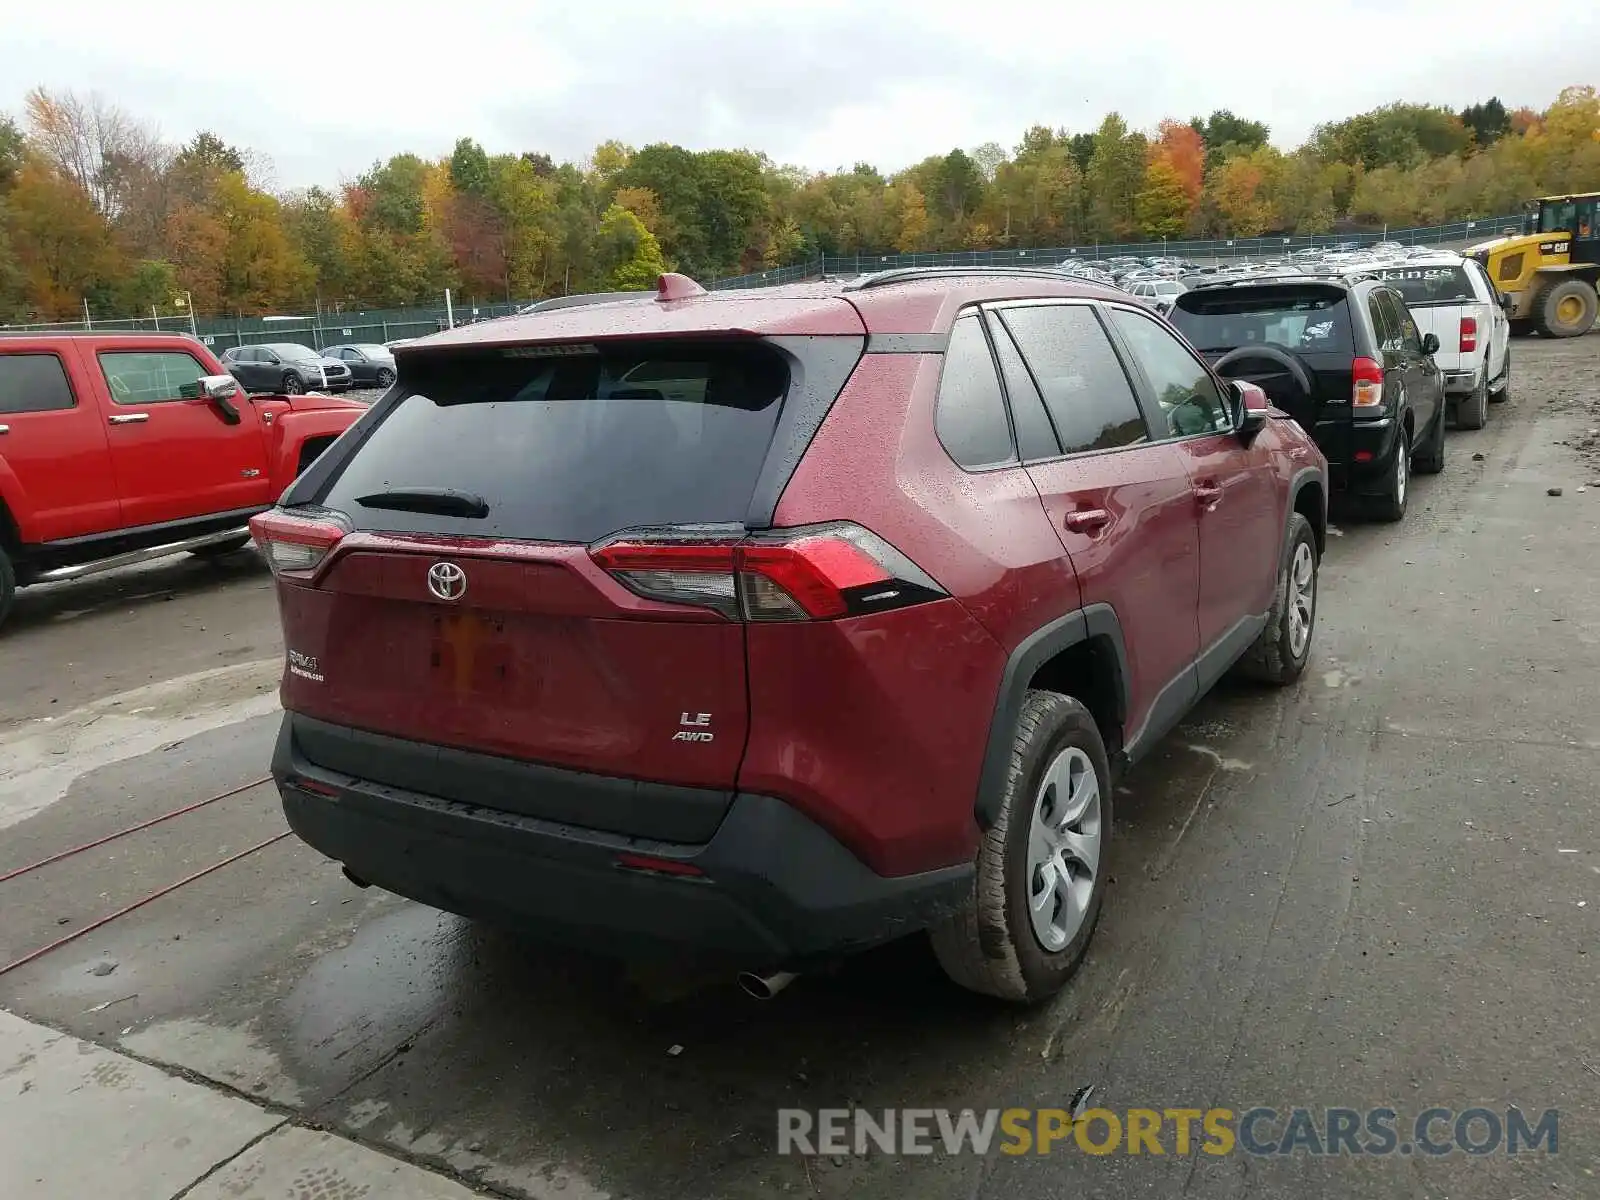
1040 874
1430 455
1472 412
1281 651
1565 309
8 586
1390 504
1503 393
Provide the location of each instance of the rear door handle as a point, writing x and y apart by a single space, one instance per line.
1085 520
130 418
1207 494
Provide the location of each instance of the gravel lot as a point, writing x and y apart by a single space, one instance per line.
1379 887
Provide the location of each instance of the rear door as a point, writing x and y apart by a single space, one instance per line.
1235 488
53 441
1121 502
541 655
174 454
1424 380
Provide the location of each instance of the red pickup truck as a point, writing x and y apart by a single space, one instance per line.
120 447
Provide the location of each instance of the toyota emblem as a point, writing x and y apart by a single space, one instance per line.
447 581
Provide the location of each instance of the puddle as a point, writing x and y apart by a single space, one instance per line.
42 758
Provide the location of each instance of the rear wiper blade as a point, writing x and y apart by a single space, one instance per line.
446 502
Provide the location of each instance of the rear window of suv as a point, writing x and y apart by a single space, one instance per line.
569 444
1422 286
1314 319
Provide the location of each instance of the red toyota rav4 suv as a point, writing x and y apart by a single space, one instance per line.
777 624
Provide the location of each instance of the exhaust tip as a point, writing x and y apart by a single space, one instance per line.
765 987
354 878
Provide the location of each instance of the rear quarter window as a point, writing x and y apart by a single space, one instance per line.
33 383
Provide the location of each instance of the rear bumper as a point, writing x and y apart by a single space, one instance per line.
774 888
1460 382
1359 453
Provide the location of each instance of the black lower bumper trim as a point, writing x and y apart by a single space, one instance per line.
775 888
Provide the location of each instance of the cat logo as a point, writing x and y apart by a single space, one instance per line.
693 728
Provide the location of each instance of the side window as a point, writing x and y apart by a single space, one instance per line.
1083 384
1409 334
1188 395
971 414
151 376
1480 278
33 383
1385 322
1036 437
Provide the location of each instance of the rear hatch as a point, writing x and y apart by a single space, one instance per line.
1439 298
1309 320
464 602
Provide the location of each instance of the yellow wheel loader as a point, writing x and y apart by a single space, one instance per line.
1547 274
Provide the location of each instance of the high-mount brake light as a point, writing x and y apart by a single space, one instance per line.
292 545
812 573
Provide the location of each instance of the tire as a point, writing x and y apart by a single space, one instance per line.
1391 506
1565 309
1504 394
219 549
1473 410
293 385
994 944
1429 458
8 586
1283 648
385 377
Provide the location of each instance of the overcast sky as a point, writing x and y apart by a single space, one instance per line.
324 88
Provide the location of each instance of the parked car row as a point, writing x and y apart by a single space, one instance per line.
290 369
774 626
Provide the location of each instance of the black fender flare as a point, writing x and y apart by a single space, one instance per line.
1092 622
1297 484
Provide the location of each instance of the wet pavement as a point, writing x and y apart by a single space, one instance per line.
1379 888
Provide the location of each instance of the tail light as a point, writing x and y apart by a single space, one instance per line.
1469 334
294 545
1366 390
811 573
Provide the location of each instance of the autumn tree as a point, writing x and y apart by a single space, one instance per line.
1161 206
1115 175
626 252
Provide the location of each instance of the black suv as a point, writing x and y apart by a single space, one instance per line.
1342 355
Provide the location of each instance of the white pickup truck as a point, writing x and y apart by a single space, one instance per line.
1452 298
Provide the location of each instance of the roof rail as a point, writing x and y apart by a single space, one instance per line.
98 332
911 274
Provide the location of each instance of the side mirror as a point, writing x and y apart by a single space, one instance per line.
1251 407
1430 343
221 391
